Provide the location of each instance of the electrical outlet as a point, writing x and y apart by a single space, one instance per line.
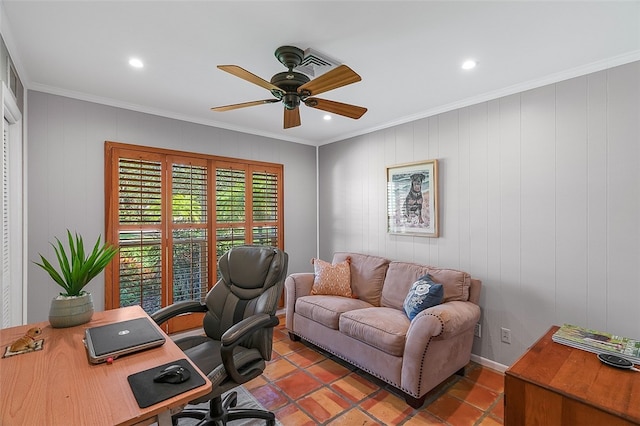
478 330
505 335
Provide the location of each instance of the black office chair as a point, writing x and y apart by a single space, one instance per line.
240 317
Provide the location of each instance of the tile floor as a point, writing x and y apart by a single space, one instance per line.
304 386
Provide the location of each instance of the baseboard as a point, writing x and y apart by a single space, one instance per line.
488 363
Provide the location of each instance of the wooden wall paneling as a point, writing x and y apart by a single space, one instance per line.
571 201
597 169
448 169
510 225
623 197
538 210
464 192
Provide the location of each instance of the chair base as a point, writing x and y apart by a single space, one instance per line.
222 411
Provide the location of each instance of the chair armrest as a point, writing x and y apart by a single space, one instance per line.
295 286
179 308
236 335
245 328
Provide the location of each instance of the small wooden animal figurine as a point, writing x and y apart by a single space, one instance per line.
27 341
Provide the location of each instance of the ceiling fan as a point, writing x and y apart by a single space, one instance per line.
293 88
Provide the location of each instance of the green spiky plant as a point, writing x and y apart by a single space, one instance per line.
76 268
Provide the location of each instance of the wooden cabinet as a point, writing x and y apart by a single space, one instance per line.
554 384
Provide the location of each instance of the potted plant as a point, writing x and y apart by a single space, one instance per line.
74 305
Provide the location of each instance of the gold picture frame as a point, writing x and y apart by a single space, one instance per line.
412 199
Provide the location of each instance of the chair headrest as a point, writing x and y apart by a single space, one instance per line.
251 268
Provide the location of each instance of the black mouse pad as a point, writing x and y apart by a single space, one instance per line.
148 392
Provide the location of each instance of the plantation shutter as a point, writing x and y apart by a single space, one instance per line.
190 266
265 186
140 233
231 207
5 278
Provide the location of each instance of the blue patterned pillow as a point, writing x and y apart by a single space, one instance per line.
423 294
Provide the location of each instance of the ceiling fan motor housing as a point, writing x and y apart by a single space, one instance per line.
289 82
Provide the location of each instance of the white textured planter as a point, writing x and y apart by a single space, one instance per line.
68 311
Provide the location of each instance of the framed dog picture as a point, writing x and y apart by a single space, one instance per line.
412 199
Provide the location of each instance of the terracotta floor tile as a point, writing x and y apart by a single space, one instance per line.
286 346
424 418
255 383
298 384
305 357
354 417
488 378
324 404
474 394
387 408
291 415
354 387
270 397
498 409
278 368
279 335
454 411
327 371
328 391
490 421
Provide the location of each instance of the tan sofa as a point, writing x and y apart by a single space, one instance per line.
373 332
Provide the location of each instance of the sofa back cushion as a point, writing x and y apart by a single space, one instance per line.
401 275
367 275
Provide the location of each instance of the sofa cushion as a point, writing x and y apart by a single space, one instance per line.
455 283
401 275
382 328
331 279
422 295
367 275
326 310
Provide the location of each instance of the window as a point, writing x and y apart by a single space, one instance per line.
12 286
167 209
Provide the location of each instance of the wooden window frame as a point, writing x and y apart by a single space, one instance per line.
116 150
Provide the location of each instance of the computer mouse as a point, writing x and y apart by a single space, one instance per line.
172 374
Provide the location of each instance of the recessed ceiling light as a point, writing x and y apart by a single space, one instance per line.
327 117
469 64
136 63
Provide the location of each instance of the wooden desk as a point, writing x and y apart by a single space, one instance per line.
555 384
58 386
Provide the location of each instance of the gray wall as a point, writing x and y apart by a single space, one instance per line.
65 186
540 199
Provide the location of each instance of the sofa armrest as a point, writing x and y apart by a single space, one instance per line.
295 286
442 321
438 340
456 317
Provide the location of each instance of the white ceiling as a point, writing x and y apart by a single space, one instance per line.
408 54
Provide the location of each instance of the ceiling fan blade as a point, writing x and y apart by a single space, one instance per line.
351 111
333 79
251 78
291 117
244 105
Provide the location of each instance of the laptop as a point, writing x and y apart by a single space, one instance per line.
121 338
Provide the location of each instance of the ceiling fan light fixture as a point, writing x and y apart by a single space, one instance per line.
291 101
